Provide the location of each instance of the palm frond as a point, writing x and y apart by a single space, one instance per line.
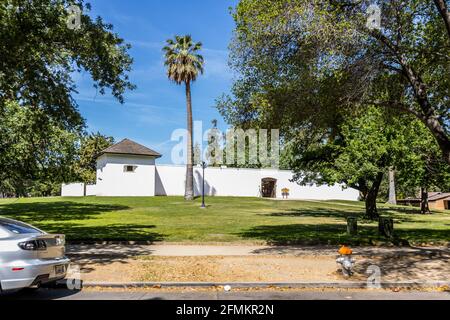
182 59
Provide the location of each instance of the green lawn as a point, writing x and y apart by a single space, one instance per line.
250 220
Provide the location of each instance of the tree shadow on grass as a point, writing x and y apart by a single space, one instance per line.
425 236
316 213
309 234
56 211
410 216
106 233
344 214
410 211
404 210
335 234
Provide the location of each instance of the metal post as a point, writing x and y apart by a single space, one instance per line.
203 187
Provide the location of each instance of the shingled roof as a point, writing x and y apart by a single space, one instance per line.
438 196
432 196
127 146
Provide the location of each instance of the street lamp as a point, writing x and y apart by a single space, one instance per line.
204 166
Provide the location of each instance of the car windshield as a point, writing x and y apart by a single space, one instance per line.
17 227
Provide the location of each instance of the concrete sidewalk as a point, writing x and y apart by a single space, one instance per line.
173 250
165 250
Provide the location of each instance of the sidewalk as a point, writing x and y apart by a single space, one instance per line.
166 250
173 250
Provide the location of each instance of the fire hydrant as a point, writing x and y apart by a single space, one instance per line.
346 261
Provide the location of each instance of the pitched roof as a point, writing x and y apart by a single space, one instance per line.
127 146
439 196
432 196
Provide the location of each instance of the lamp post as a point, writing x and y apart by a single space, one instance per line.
204 165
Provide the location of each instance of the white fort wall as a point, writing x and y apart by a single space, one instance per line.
72 190
112 180
78 190
243 183
169 180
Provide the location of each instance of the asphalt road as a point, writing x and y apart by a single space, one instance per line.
61 294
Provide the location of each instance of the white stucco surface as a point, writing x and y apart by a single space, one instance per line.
91 190
243 183
149 179
72 190
112 180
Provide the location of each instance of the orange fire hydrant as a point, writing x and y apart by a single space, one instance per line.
345 260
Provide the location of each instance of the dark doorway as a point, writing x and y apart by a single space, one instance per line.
269 188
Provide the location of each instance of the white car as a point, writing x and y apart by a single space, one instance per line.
29 257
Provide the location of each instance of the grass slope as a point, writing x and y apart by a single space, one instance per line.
250 220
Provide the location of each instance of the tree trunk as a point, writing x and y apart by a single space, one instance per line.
371 199
189 189
361 186
392 193
428 115
441 137
424 207
443 10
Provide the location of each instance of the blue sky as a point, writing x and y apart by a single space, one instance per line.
157 107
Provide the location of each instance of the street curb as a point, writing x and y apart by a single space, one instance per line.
296 285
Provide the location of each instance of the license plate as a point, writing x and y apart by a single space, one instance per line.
60 269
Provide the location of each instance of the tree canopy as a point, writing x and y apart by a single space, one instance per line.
39 55
40 52
34 150
344 90
304 63
90 146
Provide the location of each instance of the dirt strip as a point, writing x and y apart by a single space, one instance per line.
260 268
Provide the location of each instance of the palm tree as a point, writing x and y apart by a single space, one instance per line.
184 64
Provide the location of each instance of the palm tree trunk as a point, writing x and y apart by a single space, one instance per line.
189 189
